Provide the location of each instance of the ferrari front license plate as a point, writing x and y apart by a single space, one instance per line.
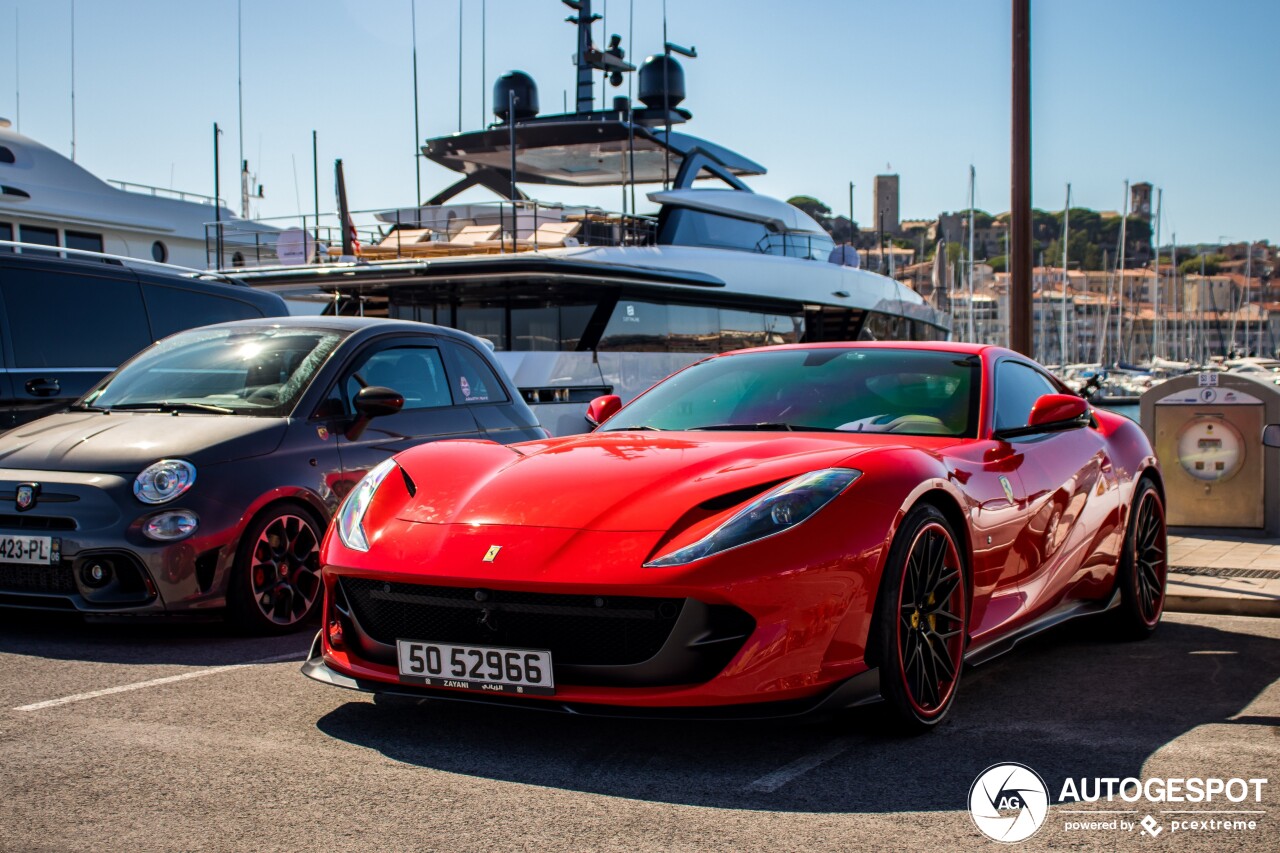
485 668
32 550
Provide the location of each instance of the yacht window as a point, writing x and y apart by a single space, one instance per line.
73 320
684 227
6 233
84 241
39 236
638 326
742 329
159 252
6 155
549 328
816 247
885 327
484 322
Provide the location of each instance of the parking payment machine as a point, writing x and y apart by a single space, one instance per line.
1207 432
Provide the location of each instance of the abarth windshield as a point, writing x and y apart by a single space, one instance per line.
258 371
909 392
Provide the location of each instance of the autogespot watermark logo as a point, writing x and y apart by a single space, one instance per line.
1008 802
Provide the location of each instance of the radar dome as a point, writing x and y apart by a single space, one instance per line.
525 90
661 84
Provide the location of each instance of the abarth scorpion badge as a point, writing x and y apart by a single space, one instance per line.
26 496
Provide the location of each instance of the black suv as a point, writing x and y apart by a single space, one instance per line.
65 322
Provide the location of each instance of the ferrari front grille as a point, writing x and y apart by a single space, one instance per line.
584 630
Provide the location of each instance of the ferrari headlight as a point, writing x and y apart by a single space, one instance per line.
164 481
774 511
351 513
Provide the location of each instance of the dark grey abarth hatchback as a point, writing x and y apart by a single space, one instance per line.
200 475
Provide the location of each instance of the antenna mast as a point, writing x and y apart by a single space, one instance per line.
417 137
73 81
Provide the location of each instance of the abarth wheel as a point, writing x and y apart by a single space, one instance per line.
276 585
922 618
1144 566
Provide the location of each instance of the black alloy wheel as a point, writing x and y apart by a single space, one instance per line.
922 619
275 586
1144 566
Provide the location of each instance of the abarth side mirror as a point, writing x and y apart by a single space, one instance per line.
373 401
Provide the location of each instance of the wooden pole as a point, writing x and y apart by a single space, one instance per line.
1020 331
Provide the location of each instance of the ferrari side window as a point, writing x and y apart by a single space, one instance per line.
1017 389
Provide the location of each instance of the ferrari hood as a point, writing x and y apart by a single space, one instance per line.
127 442
620 481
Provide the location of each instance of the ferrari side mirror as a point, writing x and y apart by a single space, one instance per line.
601 409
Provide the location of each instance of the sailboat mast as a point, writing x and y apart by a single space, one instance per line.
1157 340
1179 303
1124 221
972 178
1248 280
1066 235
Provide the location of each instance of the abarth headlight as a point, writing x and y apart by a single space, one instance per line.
351 513
163 481
779 509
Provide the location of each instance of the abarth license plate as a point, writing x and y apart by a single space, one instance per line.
32 550
484 668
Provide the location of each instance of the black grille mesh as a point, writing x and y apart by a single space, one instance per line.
583 630
15 577
36 522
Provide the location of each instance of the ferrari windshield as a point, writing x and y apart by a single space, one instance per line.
913 392
258 371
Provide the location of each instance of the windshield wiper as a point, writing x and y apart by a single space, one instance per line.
765 427
86 407
165 406
640 428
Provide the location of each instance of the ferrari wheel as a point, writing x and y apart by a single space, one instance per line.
1144 566
275 585
922 617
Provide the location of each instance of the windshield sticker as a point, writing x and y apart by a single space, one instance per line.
466 387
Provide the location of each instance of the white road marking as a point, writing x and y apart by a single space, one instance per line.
775 780
155 682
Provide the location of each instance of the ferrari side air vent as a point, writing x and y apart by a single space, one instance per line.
732 499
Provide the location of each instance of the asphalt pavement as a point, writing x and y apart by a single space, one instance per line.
157 736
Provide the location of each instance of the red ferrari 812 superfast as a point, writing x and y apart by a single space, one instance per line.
767 532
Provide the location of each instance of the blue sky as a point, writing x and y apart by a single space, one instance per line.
822 92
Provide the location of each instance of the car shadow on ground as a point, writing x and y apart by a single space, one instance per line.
202 641
1068 704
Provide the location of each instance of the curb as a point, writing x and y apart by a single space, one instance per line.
1222 605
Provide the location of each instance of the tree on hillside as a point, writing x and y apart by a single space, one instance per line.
841 229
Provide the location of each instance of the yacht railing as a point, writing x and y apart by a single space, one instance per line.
162 192
478 228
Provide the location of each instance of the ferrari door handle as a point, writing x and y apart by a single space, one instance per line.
42 387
